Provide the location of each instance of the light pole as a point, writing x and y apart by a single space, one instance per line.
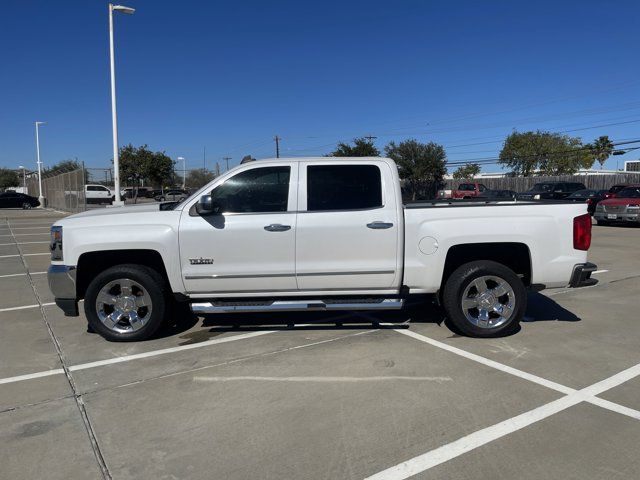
40 197
24 179
114 119
184 172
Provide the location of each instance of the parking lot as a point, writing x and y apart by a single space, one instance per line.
318 396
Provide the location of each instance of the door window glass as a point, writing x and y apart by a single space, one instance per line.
343 187
259 190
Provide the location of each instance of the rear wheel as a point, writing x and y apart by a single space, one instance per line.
27 206
126 303
484 299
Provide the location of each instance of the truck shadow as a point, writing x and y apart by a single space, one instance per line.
540 309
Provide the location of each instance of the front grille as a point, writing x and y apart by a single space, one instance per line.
614 208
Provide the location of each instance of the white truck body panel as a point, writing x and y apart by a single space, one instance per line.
323 252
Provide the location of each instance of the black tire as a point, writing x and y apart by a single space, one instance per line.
155 287
462 278
26 206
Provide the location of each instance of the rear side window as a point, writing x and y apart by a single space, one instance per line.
259 190
467 187
343 187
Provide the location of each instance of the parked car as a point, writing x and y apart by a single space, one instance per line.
615 189
468 190
590 197
12 199
132 192
623 208
98 194
314 234
175 195
498 195
551 191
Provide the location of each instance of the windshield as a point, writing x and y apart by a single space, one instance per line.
583 194
629 192
542 187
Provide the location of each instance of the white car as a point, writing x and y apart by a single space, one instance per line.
98 194
314 234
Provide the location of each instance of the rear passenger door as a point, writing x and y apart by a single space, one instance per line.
347 229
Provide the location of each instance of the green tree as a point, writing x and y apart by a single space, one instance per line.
156 168
601 149
421 166
8 178
361 148
466 171
199 178
547 153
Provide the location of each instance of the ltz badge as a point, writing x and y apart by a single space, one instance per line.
201 261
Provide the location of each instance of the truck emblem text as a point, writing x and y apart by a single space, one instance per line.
201 261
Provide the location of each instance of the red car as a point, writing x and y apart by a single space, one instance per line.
614 190
468 190
623 208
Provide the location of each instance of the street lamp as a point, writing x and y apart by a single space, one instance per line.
24 179
40 197
114 120
184 171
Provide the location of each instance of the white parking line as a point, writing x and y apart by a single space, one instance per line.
21 274
599 271
137 356
25 255
22 243
24 307
23 234
27 228
477 439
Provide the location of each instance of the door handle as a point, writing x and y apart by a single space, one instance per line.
379 225
277 227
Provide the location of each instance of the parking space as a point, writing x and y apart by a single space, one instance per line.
321 396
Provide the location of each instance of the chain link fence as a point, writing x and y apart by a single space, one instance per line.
64 191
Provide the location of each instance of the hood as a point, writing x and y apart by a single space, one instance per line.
620 201
145 207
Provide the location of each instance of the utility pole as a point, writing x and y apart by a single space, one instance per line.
226 159
277 139
204 159
371 138
217 169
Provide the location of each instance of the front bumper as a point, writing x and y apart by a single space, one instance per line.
581 276
62 283
619 217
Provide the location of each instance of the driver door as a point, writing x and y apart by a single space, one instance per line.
248 246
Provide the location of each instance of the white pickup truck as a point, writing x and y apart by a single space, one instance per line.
314 234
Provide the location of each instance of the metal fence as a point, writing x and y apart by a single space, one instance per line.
64 191
521 184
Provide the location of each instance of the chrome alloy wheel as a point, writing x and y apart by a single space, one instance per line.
123 305
488 302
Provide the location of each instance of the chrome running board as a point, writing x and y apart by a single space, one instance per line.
296 305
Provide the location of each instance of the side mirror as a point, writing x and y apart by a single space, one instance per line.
207 207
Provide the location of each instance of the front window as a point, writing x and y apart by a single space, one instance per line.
543 187
343 187
629 192
259 190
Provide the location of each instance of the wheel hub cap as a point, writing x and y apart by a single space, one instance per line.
488 302
123 305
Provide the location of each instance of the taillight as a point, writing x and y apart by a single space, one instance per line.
582 232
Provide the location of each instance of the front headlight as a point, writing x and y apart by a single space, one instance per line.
56 243
536 197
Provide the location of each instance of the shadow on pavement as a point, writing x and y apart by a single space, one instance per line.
544 309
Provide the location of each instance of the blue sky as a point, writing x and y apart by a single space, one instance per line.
229 76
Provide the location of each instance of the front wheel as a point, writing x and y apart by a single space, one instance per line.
27 206
484 299
126 303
